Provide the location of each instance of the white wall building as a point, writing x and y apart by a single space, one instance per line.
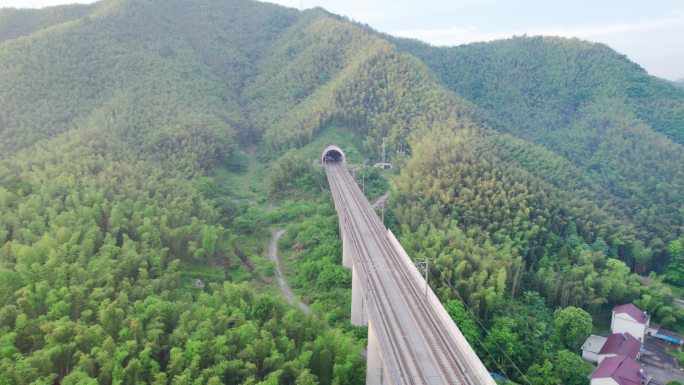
630 319
591 347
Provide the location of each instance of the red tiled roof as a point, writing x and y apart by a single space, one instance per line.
621 344
622 369
632 310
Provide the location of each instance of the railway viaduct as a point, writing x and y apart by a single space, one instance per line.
411 338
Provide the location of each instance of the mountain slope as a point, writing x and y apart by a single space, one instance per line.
110 125
556 79
162 71
590 106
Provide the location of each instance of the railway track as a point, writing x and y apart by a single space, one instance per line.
408 326
443 352
397 341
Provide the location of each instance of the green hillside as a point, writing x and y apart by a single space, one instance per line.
146 144
591 108
535 85
112 124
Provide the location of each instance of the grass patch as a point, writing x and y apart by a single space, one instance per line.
677 292
376 184
242 186
207 273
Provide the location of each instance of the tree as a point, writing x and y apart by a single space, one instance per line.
503 343
571 368
572 326
642 256
306 378
675 268
463 320
542 374
78 378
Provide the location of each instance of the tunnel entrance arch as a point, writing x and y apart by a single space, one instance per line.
333 154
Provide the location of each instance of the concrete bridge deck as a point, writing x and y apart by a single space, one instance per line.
411 338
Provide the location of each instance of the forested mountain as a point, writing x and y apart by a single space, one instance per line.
679 83
110 123
542 173
552 83
593 109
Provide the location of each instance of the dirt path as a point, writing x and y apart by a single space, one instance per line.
381 200
287 292
679 302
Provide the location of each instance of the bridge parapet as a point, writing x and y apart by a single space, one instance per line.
481 373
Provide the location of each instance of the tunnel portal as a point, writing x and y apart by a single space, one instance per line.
333 154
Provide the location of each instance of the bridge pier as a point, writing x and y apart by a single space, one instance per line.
359 309
374 371
359 313
347 258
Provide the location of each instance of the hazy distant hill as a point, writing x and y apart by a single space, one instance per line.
541 165
534 85
679 83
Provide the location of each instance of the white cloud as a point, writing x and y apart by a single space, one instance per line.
456 35
656 44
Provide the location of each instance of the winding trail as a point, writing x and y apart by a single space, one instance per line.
287 292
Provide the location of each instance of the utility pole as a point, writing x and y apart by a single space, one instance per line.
383 152
363 177
425 266
427 269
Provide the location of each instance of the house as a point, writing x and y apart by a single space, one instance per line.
629 319
620 344
677 340
617 370
655 331
592 346
596 348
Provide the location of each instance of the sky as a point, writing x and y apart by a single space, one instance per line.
651 33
